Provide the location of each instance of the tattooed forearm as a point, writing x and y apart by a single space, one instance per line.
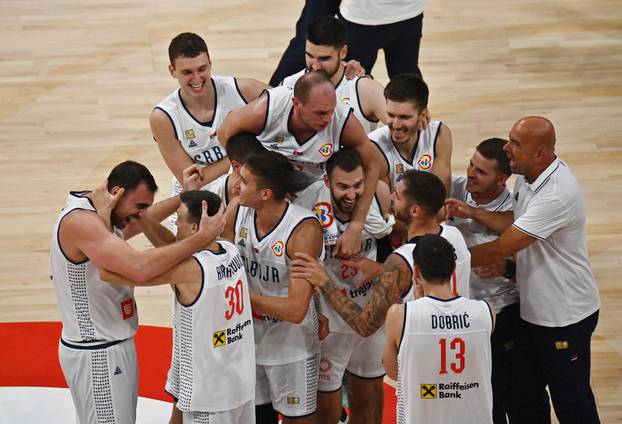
394 280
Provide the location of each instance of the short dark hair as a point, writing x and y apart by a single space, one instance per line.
186 44
305 83
242 145
275 171
327 30
492 148
435 257
347 159
408 88
129 175
193 200
425 189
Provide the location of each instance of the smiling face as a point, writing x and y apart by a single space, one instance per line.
326 59
346 188
483 175
192 74
317 111
132 205
403 121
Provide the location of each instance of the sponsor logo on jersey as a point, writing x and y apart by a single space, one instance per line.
243 232
428 391
561 344
345 100
451 390
231 334
117 371
219 338
326 150
278 248
127 308
293 400
188 134
192 144
425 162
279 139
324 212
399 168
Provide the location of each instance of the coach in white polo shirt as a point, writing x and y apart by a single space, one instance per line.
559 300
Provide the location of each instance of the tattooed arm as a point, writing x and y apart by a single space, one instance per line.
395 280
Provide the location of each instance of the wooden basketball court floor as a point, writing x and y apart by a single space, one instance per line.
78 80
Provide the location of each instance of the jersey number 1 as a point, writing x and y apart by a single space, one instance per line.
457 346
235 296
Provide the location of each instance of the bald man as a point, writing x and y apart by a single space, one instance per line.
559 299
307 126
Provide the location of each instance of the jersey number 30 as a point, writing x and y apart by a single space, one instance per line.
456 347
235 296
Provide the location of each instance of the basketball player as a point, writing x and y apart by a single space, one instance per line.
96 348
212 375
404 141
269 231
438 346
484 186
343 349
417 200
307 126
183 122
227 186
324 51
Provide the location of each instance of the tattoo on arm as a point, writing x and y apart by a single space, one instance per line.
394 280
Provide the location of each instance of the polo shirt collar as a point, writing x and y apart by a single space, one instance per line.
494 204
544 176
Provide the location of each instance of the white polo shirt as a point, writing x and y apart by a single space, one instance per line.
557 287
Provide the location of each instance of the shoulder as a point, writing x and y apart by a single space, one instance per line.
290 80
380 135
458 186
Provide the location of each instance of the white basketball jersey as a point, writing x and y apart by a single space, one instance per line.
460 280
267 266
347 94
497 291
349 280
213 365
444 362
91 310
219 187
307 156
423 155
194 136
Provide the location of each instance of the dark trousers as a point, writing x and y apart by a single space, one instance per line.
557 357
293 59
502 341
400 42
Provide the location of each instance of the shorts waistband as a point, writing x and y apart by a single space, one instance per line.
91 345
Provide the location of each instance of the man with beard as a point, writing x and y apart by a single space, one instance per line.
404 141
344 350
484 186
96 349
307 126
559 299
324 51
417 200
269 231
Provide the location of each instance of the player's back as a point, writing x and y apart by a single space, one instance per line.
444 362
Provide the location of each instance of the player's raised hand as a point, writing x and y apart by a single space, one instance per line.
348 243
308 268
353 69
496 269
370 269
211 227
104 201
458 209
192 177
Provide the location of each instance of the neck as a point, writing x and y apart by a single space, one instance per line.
423 227
487 197
269 215
407 149
214 247
441 291
335 79
538 170
204 102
